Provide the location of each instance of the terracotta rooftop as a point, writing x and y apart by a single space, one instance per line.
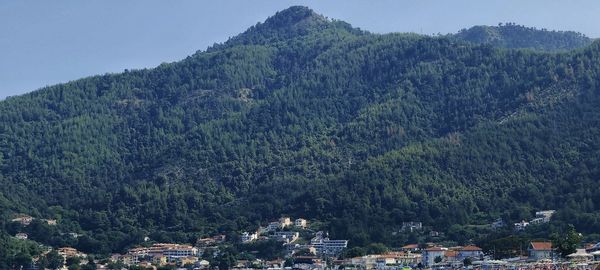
451 253
471 248
411 246
541 245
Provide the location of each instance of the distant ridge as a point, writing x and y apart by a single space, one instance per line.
514 36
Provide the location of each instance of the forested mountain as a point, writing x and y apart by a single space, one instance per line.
305 116
513 36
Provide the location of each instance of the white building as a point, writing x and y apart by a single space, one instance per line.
22 236
430 254
248 237
545 215
172 252
327 247
521 225
411 226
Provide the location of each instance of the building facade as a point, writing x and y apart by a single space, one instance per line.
540 250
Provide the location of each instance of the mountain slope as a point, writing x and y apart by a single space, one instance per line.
309 117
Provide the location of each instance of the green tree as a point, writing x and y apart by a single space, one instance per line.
54 260
21 260
566 242
226 260
376 248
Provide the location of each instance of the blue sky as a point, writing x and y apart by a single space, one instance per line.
48 42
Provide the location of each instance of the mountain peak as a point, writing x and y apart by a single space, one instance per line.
292 22
293 16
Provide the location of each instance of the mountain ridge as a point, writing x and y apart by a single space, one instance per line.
511 35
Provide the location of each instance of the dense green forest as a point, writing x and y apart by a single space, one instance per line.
306 116
514 36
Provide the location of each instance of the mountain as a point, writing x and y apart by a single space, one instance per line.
309 117
513 36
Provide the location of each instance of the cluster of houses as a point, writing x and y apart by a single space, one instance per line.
317 251
275 230
162 254
319 245
540 218
389 260
25 220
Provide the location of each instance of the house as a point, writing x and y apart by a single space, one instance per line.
429 255
285 221
521 225
23 219
390 260
22 236
306 261
248 237
274 226
327 247
292 249
406 258
537 221
274 264
365 262
70 252
593 248
540 250
545 215
190 260
286 236
51 222
580 256
300 223
471 252
596 255
172 252
210 241
411 226
452 257
411 248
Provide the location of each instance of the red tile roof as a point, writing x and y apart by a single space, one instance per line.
471 248
541 245
411 246
451 253
434 249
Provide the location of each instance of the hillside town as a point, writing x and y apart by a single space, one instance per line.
304 248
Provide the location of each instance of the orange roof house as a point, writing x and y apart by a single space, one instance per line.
540 250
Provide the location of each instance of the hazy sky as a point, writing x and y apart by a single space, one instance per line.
48 42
